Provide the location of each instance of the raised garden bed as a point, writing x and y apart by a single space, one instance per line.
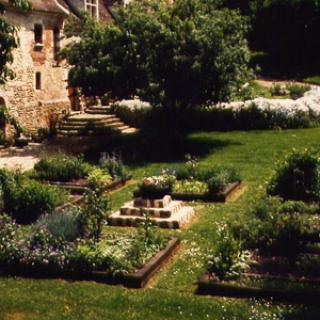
209 286
80 186
137 279
269 278
223 196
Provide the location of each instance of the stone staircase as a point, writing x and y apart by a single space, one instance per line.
96 120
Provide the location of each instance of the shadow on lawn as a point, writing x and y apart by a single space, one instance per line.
137 149
302 312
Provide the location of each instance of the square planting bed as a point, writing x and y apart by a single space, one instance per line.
223 196
137 279
80 186
165 213
269 278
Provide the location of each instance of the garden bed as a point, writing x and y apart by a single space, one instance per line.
223 196
209 286
137 279
80 186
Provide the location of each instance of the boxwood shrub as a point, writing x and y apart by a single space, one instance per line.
25 200
61 168
298 177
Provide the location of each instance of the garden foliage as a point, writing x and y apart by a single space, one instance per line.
61 168
298 177
174 55
24 199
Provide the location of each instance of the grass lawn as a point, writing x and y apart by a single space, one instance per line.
171 294
312 80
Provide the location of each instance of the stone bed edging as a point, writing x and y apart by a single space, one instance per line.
207 286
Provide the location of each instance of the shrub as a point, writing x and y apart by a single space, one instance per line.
64 225
21 142
133 115
277 90
93 214
114 165
30 199
25 200
228 260
274 232
298 178
297 91
218 179
98 179
61 168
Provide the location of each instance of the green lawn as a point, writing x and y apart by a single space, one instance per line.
313 80
171 294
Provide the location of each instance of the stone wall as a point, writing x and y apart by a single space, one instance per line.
33 108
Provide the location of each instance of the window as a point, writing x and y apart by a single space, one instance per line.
38 80
92 7
56 41
38 33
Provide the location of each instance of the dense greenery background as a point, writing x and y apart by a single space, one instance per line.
288 31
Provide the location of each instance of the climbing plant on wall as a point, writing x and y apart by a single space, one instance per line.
8 39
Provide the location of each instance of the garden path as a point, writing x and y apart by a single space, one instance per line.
22 158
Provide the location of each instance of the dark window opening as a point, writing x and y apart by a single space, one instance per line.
38 80
56 41
38 33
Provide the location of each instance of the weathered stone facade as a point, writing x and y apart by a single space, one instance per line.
39 93
33 107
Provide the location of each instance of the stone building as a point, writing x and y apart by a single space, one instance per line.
39 93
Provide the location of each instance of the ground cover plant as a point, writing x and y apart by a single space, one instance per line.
171 294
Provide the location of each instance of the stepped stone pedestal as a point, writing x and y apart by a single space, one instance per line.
164 213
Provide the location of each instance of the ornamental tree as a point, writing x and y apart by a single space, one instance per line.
175 55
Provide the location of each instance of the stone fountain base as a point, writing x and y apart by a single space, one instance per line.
164 213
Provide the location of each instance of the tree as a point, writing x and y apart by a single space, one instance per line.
175 55
8 40
287 30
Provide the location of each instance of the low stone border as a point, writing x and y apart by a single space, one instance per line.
137 279
223 196
207 286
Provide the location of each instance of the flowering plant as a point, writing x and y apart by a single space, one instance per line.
156 186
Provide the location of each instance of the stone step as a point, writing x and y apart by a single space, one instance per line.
90 117
74 124
91 123
129 131
64 133
172 208
97 111
68 125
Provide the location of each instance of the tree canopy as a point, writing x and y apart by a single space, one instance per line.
287 30
176 55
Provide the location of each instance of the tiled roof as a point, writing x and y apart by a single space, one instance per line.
44 5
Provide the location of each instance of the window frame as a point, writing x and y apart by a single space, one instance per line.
89 5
